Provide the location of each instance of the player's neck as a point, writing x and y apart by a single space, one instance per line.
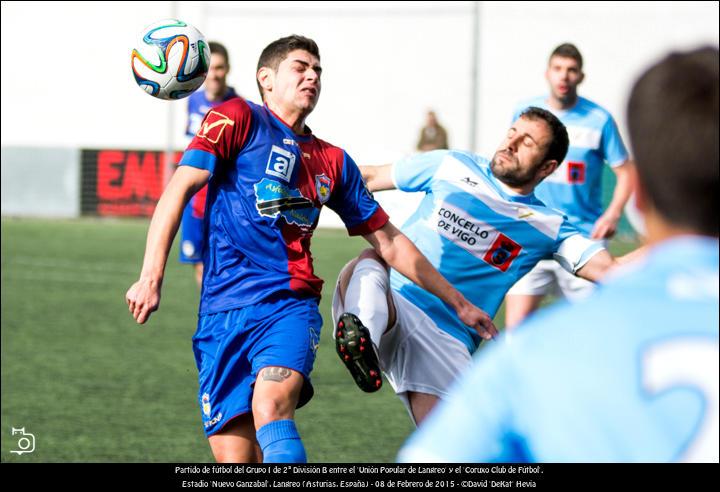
292 118
659 230
516 190
562 104
216 96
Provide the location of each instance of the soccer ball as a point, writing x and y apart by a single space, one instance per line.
171 59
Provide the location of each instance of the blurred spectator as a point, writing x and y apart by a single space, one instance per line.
432 136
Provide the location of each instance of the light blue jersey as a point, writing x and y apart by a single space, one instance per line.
628 375
575 187
481 236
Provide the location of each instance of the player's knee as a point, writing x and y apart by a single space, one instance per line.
371 254
266 410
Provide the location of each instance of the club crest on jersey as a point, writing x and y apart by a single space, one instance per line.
213 126
322 186
275 199
576 172
502 252
314 339
280 163
206 404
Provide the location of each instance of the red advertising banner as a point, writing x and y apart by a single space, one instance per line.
123 182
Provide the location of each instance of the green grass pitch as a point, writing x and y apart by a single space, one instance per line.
93 386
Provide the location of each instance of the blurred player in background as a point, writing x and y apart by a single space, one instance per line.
482 227
630 374
575 188
215 91
259 323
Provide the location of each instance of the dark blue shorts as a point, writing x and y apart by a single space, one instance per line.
192 239
233 346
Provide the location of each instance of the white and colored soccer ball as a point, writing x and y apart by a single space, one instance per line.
171 59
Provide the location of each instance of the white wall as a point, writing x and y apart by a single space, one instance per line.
41 182
66 78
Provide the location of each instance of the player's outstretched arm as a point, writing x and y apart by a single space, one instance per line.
606 225
402 255
598 266
378 178
143 297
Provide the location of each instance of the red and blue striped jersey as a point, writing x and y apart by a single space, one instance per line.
264 199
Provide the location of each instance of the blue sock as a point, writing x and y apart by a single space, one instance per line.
280 442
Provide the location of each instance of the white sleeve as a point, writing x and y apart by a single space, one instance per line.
575 251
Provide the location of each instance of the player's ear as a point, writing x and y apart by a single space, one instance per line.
548 167
266 78
582 77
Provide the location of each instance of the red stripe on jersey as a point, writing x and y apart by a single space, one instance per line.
375 222
300 263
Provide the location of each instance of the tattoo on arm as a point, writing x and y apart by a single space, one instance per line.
277 374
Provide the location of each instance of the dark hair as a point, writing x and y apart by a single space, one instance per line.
218 49
568 50
557 150
673 123
278 50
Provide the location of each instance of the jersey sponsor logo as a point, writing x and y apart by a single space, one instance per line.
275 199
475 236
583 137
280 163
322 186
454 172
214 126
467 230
502 252
576 172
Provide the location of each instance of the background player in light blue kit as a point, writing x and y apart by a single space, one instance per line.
575 188
259 322
215 91
630 374
483 228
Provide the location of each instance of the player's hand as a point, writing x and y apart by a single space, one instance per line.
143 298
478 319
605 227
